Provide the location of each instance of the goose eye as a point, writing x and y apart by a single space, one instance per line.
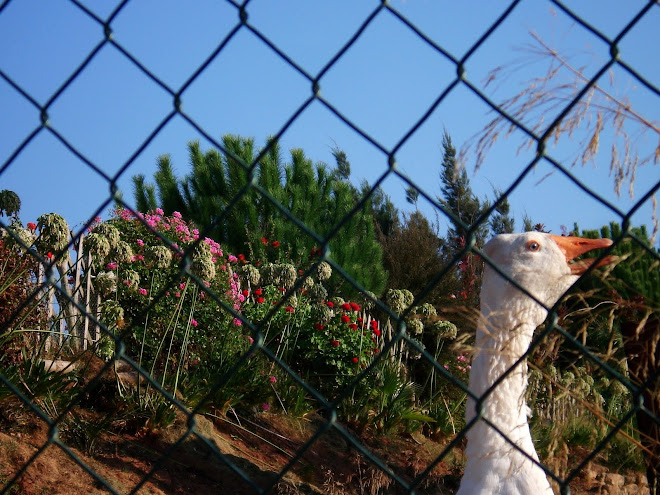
533 246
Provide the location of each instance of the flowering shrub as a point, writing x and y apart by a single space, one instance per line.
329 341
135 267
338 347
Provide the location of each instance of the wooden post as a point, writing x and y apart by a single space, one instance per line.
78 295
88 295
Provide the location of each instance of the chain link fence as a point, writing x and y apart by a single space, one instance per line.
398 482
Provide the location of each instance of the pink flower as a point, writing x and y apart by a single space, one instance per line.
273 379
143 291
140 242
111 266
193 322
265 406
159 211
232 258
250 340
182 285
238 322
176 214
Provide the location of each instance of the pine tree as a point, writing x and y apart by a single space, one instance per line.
501 222
385 213
217 194
457 197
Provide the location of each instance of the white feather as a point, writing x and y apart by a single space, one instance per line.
509 318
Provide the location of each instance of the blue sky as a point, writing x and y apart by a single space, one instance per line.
383 84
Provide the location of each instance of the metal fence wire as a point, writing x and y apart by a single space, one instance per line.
402 482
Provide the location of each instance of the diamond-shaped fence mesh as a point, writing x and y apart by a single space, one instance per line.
208 332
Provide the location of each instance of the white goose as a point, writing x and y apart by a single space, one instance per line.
540 264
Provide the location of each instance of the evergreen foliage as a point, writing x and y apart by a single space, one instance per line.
458 198
501 221
385 213
218 195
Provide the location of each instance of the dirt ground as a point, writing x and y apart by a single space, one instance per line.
258 449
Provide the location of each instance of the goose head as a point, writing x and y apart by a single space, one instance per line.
543 264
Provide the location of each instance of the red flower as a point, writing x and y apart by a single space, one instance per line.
330 304
32 226
356 360
264 241
49 255
258 292
318 326
374 324
289 309
345 318
245 293
352 326
282 289
276 244
334 343
241 257
260 300
346 307
355 307
376 332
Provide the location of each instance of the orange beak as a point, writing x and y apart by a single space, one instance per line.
572 247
